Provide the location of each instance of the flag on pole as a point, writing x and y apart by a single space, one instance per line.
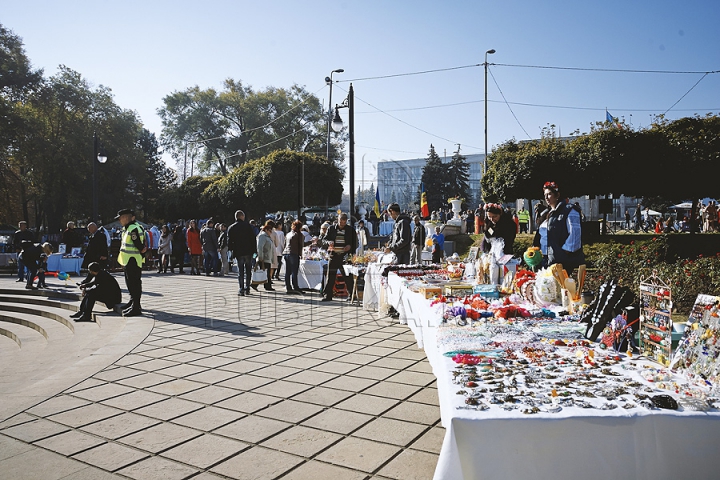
612 119
376 207
424 209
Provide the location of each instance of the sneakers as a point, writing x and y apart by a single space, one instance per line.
241 293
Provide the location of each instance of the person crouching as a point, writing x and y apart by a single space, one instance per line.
101 288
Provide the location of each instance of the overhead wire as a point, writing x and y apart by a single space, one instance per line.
508 105
691 89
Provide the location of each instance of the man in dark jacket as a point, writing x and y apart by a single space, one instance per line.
242 244
30 256
101 288
418 242
97 249
400 240
340 240
21 234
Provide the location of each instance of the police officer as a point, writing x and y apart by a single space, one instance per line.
132 250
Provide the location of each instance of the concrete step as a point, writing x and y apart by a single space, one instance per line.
29 339
64 352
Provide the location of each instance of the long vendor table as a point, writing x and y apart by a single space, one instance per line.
521 431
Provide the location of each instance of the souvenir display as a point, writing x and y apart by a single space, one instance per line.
698 352
656 324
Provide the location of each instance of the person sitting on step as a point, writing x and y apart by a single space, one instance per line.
101 288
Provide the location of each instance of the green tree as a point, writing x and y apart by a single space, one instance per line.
17 81
611 160
458 172
237 124
156 180
436 180
271 183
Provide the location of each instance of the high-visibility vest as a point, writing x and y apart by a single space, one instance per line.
128 249
523 216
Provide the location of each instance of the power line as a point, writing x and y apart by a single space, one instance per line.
508 105
691 89
546 67
404 122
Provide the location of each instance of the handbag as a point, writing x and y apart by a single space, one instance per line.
259 277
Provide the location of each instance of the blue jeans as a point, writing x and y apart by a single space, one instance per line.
210 261
21 269
292 266
244 271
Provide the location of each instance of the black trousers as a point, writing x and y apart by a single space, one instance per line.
336 262
133 280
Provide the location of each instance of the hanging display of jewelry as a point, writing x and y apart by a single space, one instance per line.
698 352
655 320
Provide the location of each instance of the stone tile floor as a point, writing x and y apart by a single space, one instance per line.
260 387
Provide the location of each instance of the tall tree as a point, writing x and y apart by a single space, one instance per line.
17 81
435 177
157 177
237 124
459 176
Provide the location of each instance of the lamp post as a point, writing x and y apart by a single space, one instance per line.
489 52
99 155
337 125
329 81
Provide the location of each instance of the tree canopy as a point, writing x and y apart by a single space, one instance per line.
229 127
670 157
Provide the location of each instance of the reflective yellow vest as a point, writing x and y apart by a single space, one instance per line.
523 216
128 249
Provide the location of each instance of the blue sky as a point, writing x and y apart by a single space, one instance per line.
146 50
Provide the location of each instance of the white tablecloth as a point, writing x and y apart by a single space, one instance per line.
574 443
56 263
310 274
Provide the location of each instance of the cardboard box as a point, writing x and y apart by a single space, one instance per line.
458 289
430 292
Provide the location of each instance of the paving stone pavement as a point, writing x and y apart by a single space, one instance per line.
259 387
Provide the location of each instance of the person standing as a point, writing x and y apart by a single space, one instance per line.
164 248
194 245
627 219
21 235
241 242
208 237
638 217
97 250
279 241
363 236
179 249
340 240
30 256
498 225
294 243
223 245
265 253
401 239
563 231
71 238
418 242
102 287
523 219
132 250
438 245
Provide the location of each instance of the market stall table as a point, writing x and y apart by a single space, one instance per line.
572 442
56 263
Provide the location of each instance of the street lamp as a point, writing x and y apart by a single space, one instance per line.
337 125
329 81
489 52
99 154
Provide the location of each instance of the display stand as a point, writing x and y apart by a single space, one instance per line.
698 352
655 320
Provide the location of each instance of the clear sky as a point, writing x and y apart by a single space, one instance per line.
145 50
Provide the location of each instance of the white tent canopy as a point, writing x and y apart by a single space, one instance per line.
684 205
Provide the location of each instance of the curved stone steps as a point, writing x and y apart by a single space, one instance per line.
71 351
30 340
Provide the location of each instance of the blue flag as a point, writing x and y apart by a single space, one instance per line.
376 207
